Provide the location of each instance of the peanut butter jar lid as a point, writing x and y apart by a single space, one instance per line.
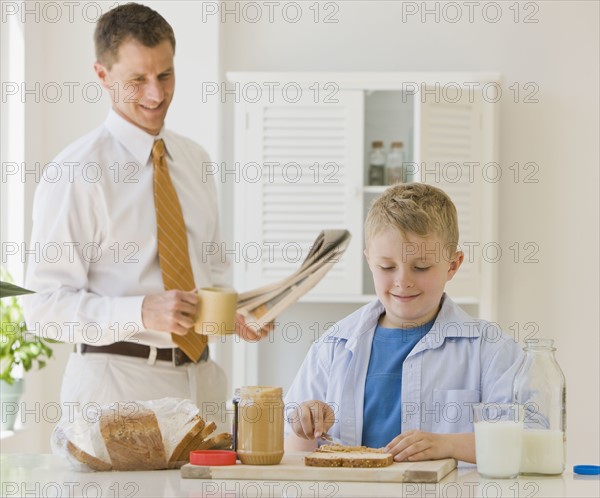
212 458
261 391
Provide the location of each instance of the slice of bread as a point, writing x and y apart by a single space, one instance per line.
192 441
317 459
192 433
367 459
178 420
208 430
183 456
335 455
219 442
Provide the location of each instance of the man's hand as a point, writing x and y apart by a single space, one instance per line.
251 332
171 311
311 419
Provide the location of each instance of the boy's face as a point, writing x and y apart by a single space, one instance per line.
141 83
410 275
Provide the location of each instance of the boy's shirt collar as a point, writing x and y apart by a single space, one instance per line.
451 322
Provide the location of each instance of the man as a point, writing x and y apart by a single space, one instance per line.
117 290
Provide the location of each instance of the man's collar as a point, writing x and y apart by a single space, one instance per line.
138 142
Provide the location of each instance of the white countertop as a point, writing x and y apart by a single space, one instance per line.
50 475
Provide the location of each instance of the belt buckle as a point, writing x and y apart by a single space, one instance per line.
178 358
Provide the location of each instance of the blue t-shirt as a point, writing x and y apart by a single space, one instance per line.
382 409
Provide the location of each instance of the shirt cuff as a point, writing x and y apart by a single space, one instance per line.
127 317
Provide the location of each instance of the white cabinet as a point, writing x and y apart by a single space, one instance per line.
300 173
301 154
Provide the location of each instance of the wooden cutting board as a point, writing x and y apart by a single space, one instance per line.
292 468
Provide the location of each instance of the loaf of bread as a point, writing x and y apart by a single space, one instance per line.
335 455
148 435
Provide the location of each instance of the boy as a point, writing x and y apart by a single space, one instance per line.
403 371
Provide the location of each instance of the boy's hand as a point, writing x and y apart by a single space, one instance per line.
311 419
415 445
418 445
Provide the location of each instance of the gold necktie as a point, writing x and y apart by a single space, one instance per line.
173 252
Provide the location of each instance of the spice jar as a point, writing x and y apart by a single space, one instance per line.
260 425
540 387
377 164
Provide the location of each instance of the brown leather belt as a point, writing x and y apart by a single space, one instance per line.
175 355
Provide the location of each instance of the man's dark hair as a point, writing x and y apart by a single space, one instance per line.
125 22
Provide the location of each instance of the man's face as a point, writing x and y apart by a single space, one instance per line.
141 83
410 275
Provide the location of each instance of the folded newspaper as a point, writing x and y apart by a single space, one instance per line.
264 304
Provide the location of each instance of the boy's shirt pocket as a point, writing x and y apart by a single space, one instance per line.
451 411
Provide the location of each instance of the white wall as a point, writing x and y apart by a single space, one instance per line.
559 293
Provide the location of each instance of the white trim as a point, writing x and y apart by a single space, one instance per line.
489 205
13 150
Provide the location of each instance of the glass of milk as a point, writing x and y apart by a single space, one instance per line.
498 439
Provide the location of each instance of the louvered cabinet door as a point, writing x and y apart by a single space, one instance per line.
450 153
300 167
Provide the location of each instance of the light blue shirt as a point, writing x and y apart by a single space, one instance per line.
462 360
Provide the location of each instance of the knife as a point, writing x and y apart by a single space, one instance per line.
327 437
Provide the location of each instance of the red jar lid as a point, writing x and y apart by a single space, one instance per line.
212 457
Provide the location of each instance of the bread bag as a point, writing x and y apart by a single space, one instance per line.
136 435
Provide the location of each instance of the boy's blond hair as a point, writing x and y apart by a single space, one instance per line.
414 208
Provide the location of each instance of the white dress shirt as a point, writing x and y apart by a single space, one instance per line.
94 235
460 361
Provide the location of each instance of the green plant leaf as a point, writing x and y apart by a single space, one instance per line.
6 365
20 350
8 290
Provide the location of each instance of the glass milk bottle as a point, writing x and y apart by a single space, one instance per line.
540 387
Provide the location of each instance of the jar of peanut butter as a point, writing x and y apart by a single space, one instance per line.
260 425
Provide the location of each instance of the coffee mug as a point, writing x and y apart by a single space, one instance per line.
217 311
